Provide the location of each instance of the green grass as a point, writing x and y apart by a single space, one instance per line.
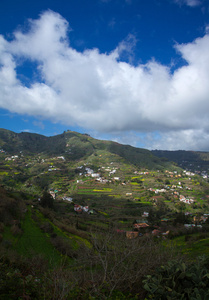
88 193
7 235
86 190
34 241
72 238
115 196
3 173
200 247
148 203
193 248
98 224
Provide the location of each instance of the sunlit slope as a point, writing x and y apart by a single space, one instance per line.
76 146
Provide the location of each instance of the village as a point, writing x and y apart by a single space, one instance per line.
177 187
119 191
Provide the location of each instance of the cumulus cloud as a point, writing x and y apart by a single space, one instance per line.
101 92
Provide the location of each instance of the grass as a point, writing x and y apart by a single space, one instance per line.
201 247
98 224
3 173
103 213
34 241
148 203
72 238
115 196
193 248
104 190
7 235
88 193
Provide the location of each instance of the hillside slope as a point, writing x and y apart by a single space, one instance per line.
190 160
76 146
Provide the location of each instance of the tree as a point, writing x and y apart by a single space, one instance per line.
167 181
116 263
47 200
181 219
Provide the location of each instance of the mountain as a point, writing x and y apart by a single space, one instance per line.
190 160
76 146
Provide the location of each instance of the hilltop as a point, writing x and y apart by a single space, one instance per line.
195 161
76 146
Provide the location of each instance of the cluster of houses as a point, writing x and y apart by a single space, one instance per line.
61 157
89 172
204 174
186 200
13 157
97 176
140 226
175 193
69 199
172 174
52 168
197 220
53 193
188 173
79 208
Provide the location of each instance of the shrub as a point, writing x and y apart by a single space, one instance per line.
46 227
178 280
47 200
15 229
19 278
64 247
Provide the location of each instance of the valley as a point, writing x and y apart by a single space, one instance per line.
101 215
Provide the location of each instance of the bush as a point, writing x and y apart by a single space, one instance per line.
47 200
178 280
46 227
20 279
16 230
64 247
119 264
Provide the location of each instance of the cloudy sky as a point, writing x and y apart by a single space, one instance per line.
132 71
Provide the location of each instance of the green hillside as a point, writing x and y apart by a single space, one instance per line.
76 146
191 160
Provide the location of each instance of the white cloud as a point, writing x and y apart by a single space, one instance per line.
26 130
39 124
190 139
191 3
100 92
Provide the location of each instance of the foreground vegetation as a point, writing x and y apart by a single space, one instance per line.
47 255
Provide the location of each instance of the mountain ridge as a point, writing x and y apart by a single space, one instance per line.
190 160
76 146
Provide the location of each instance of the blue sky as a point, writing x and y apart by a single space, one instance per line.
132 71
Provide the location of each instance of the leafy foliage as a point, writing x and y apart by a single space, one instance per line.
178 280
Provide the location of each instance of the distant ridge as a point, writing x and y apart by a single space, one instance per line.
76 146
191 160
